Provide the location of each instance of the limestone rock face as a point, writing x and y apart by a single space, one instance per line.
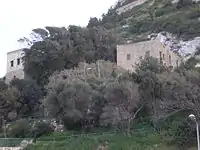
184 48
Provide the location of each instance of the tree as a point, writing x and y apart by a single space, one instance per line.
87 72
65 49
122 104
29 99
183 3
42 60
179 93
70 102
151 91
150 64
95 75
8 101
93 22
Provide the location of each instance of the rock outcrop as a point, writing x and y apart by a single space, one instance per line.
184 48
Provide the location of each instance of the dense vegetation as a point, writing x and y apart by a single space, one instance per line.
181 19
101 95
73 79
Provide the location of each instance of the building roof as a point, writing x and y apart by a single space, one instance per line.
18 50
138 43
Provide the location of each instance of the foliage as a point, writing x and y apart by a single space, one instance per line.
84 89
181 22
181 131
25 128
93 22
8 100
70 101
183 3
19 129
97 83
65 48
142 140
122 101
150 64
92 77
29 99
40 128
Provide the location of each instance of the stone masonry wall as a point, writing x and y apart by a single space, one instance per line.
137 51
15 74
15 71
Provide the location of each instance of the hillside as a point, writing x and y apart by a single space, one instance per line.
76 97
177 21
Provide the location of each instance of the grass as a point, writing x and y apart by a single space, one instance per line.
143 137
140 140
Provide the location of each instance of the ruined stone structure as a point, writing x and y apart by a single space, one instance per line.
130 6
128 55
15 68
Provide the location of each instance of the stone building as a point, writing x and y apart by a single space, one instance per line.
128 55
15 67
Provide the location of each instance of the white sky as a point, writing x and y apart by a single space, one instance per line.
19 17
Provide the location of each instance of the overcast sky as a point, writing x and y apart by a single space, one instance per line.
19 17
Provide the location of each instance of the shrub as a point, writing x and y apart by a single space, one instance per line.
41 128
160 12
184 3
19 129
178 129
193 14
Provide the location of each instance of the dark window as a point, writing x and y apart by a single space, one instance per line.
163 56
171 67
160 57
128 57
147 54
18 61
176 63
170 59
12 63
89 70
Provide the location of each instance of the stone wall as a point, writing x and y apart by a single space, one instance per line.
130 6
19 74
137 51
15 70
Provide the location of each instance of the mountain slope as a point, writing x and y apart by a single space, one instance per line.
178 20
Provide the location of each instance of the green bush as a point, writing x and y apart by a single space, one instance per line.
27 129
178 130
41 128
184 3
19 129
162 11
194 14
181 24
